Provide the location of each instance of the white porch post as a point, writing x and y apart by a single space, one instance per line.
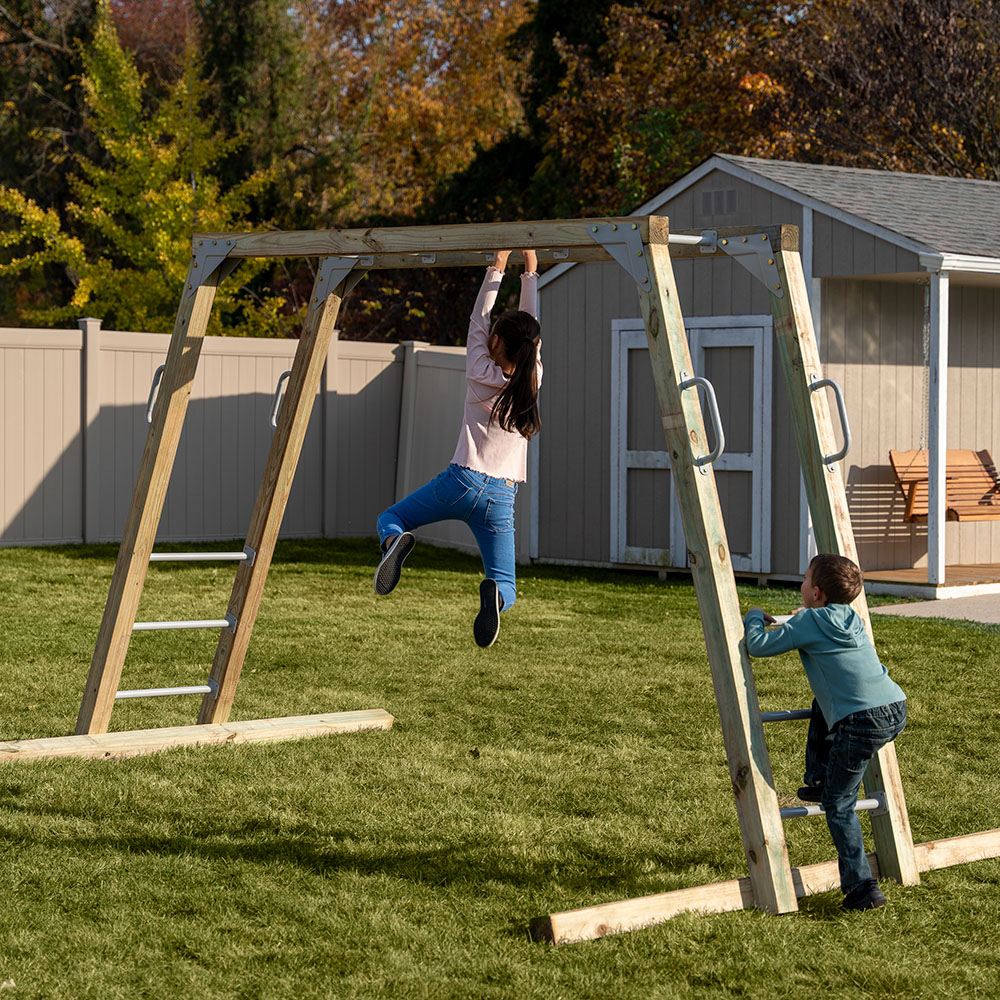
937 436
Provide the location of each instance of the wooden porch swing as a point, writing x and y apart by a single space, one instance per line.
972 489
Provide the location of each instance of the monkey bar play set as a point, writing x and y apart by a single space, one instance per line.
643 246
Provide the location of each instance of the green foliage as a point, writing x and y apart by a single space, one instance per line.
41 108
251 59
578 761
660 138
125 243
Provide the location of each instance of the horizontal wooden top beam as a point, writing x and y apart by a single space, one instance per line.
486 236
556 241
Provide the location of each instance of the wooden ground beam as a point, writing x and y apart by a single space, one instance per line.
592 922
116 746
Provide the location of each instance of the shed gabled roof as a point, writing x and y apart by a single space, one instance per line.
950 216
947 214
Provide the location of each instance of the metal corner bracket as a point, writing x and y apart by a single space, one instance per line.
335 270
208 256
755 253
624 243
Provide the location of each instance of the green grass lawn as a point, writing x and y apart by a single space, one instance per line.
577 761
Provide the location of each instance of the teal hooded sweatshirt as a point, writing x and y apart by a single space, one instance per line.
843 669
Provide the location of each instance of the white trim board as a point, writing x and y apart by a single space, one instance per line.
931 591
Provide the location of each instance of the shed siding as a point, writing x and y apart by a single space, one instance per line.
577 310
574 456
873 346
574 445
720 286
973 410
785 479
841 250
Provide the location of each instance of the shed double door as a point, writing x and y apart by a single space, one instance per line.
734 354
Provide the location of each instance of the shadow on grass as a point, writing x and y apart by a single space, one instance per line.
577 870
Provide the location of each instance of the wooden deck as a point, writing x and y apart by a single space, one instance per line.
959 581
954 576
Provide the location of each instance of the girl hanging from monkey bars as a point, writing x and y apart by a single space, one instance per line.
503 371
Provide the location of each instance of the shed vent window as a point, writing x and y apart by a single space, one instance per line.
718 202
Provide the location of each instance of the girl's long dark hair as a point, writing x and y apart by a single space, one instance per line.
516 405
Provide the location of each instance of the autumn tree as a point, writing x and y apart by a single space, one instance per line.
155 33
403 94
399 98
898 84
672 83
251 53
41 117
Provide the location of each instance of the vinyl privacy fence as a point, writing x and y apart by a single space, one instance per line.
73 411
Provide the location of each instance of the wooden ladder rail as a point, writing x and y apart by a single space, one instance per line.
149 494
760 821
814 435
272 497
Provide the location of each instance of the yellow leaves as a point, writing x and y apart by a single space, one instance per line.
757 87
124 245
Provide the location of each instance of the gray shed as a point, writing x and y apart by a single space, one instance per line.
904 279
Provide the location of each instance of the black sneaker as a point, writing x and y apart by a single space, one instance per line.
387 574
810 793
486 627
864 896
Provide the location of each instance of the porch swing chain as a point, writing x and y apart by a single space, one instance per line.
925 395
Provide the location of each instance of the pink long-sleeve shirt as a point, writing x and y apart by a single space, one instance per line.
484 446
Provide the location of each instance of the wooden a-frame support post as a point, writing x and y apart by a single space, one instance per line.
715 585
276 484
148 497
345 255
814 435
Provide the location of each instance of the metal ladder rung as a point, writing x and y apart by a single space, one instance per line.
228 622
247 556
875 805
785 716
211 688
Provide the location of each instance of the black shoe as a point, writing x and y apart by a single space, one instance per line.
864 896
387 574
486 627
810 793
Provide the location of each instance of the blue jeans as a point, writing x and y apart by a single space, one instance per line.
839 758
485 503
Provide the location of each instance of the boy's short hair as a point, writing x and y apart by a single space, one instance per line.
839 578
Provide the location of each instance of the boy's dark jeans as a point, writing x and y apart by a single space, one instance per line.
838 758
